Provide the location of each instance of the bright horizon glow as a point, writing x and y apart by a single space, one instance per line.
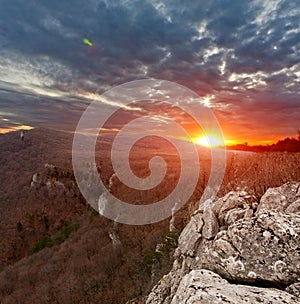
209 141
15 128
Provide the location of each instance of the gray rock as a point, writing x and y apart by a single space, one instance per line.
163 292
294 207
267 246
294 289
204 286
190 235
279 199
260 248
233 200
234 215
211 224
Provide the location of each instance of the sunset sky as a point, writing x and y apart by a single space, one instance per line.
242 57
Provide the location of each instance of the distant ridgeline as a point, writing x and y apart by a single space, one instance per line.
288 144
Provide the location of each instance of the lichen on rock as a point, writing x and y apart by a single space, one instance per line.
236 240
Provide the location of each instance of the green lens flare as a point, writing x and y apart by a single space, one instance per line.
87 41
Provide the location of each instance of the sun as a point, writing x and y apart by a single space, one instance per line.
208 141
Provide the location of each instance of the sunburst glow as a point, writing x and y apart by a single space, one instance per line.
209 141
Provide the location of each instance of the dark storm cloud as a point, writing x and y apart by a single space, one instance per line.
245 53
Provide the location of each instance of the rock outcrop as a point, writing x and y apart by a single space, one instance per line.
238 250
204 286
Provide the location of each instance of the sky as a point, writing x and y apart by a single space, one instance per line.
241 57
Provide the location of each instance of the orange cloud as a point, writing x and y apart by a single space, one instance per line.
14 128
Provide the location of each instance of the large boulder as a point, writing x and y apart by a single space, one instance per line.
203 286
294 289
264 249
243 241
280 198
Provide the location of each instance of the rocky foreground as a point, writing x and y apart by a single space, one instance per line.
238 250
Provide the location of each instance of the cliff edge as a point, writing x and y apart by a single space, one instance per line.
238 250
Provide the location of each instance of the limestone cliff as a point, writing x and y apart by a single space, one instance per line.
237 250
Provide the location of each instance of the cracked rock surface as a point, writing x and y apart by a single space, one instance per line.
204 286
237 240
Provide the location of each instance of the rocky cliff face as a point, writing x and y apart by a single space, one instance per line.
237 250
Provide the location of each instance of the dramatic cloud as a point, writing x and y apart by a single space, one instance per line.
242 57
